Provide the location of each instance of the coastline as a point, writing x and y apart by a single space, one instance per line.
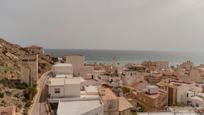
130 56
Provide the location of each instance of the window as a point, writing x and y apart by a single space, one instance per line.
57 90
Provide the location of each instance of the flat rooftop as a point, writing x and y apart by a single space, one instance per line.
64 81
62 65
64 76
91 89
77 107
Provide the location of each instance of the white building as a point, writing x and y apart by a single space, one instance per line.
78 62
66 91
132 77
176 91
62 68
64 87
195 99
195 96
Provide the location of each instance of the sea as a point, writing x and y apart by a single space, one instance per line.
125 56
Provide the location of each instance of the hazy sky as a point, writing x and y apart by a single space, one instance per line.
176 25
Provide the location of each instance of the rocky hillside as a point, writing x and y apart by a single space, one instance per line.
12 91
11 56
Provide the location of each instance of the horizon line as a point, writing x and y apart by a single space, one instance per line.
170 51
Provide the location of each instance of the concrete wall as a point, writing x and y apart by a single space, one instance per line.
76 60
72 90
181 91
51 91
29 71
78 64
68 90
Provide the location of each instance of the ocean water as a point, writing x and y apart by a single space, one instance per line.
124 57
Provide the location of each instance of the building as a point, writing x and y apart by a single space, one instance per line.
35 49
136 67
124 106
195 99
84 107
154 77
71 99
91 90
64 87
78 62
197 74
62 68
186 65
8 110
110 101
162 65
156 65
73 96
130 77
29 69
152 98
176 91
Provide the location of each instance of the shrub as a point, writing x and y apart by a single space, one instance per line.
21 85
30 92
126 90
1 95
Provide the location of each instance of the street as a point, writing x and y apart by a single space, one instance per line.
39 102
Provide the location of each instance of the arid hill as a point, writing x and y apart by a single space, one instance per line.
11 56
12 91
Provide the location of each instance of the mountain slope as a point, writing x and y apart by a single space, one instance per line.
11 56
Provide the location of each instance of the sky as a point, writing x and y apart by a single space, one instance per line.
166 25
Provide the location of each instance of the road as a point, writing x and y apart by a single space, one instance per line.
39 102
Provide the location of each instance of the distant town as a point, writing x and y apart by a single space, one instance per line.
73 87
